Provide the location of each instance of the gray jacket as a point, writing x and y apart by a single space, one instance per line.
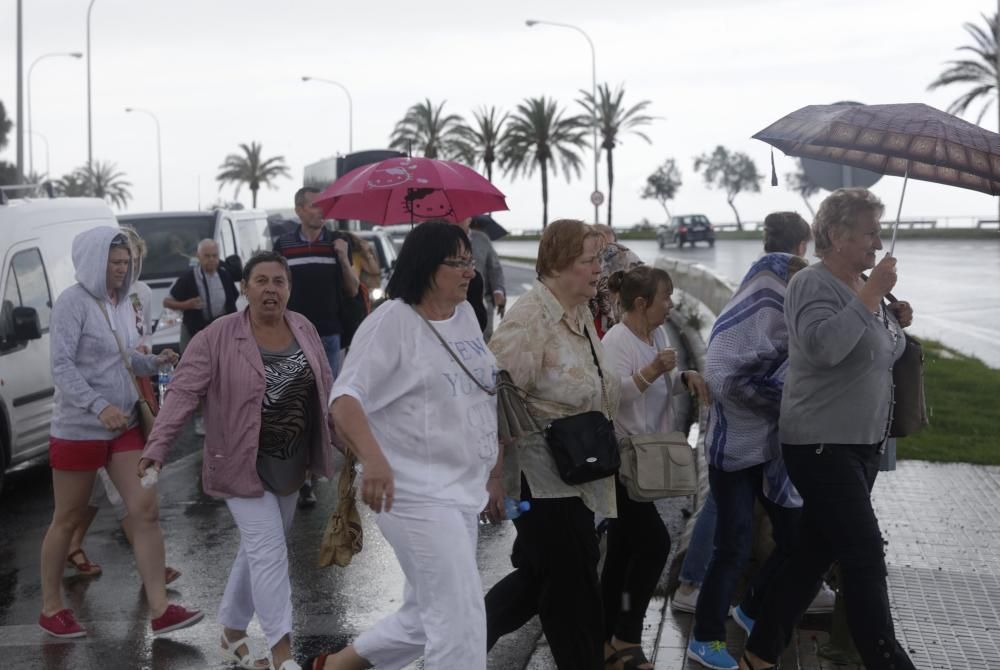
488 263
840 356
87 368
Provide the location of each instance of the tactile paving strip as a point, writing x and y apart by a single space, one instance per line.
942 527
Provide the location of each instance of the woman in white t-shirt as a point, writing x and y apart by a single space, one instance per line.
638 542
415 403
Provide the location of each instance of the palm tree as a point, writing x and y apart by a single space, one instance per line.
249 169
426 129
102 180
105 181
980 72
613 119
484 138
538 136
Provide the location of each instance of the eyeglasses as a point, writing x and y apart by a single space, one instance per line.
464 264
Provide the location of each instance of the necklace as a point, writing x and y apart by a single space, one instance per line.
645 337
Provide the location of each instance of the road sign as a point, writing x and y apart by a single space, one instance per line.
597 198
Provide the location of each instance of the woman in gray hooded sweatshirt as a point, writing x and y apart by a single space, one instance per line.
94 424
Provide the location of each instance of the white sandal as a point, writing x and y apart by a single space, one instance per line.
247 660
290 665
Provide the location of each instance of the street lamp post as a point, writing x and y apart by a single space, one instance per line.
350 109
31 149
159 149
90 125
593 93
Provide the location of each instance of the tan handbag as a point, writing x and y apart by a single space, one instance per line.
143 409
343 537
658 465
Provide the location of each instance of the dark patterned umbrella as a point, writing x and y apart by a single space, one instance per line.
905 140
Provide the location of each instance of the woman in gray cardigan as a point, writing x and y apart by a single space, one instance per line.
835 416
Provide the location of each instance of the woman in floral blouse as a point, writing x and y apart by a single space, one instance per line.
543 344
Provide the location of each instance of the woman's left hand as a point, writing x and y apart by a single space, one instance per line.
167 356
903 312
696 386
494 506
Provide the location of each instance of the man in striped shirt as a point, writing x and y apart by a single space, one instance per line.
322 278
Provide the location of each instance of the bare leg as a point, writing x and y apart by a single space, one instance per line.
144 512
282 651
87 517
71 491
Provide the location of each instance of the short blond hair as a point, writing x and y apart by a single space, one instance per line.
841 210
135 241
561 244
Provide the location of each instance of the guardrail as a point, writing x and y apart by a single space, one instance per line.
988 223
915 223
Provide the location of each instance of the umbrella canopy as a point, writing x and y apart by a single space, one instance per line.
488 225
911 139
410 190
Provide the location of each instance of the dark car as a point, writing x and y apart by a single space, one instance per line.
689 228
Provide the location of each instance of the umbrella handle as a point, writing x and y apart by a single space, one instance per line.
895 226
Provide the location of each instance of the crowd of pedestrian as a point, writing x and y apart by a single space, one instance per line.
797 387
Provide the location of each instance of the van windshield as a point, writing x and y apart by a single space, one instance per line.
171 242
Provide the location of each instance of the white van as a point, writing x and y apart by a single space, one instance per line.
172 242
36 239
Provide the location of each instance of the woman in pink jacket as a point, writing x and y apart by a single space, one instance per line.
264 378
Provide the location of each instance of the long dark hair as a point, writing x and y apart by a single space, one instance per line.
425 247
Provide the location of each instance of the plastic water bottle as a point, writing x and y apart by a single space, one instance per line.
515 508
163 376
149 479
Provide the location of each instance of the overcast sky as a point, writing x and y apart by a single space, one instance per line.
221 72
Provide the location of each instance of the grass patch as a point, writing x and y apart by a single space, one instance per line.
962 402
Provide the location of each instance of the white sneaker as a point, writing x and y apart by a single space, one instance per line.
823 602
199 426
685 598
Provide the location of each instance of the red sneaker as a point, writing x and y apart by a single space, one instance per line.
173 618
61 624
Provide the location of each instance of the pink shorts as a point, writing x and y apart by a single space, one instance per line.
91 454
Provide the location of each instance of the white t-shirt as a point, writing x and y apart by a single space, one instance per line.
640 413
436 427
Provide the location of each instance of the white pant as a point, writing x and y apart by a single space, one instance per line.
258 581
443 616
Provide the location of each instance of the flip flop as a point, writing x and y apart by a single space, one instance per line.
311 663
247 659
630 657
84 567
171 575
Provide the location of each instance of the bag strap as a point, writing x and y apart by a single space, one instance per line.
604 390
121 349
488 390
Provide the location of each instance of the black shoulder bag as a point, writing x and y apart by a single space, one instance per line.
909 408
584 446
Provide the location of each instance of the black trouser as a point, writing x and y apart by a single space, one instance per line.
555 556
637 547
735 493
838 524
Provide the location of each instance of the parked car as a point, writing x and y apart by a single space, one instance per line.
172 241
36 252
688 228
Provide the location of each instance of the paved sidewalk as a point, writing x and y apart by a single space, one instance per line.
941 523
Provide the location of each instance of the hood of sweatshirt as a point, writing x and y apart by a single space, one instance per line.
91 250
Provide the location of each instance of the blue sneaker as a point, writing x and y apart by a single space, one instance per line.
742 620
711 654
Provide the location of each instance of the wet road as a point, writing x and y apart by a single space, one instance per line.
331 605
953 285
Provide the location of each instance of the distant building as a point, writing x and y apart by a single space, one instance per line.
324 172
